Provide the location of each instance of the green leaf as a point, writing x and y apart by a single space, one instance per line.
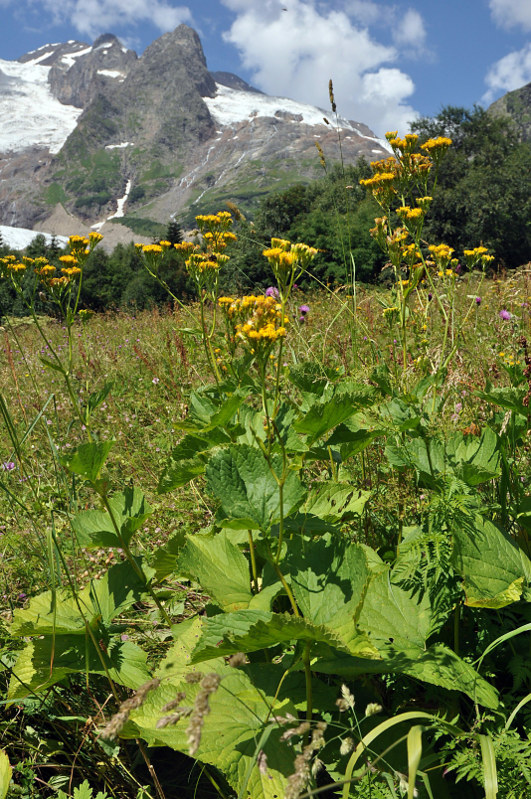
57 367
219 567
210 408
189 458
87 459
437 665
240 478
58 613
392 618
329 578
414 753
324 416
47 660
335 502
251 630
240 717
237 727
492 566
96 528
488 758
508 397
97 397
5 774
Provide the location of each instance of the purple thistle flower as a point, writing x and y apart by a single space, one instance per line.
272 291
301 319
304 309
478 300
504 314
430 296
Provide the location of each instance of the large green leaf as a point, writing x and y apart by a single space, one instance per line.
437 665
96 528
493 568
251 630
101 600
5 774
335 502
47 660
239 725
394 619
219 567
329 578
247 487
473 460
323 416
189 458
87 459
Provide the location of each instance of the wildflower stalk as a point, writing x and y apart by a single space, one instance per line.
253 560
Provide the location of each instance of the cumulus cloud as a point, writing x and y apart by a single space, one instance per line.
511 13
510 72
294 52
92 17
409 30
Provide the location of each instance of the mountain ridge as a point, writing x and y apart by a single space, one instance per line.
142 139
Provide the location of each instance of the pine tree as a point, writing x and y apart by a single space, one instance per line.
174 233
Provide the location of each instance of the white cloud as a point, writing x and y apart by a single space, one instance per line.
92 17
510 72
511 13
409 30
294 53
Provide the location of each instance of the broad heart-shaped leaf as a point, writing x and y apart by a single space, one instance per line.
5 774
219 567
473 460
334 502
323 416
329 578
96 528
437 665
492 566
508 397
101 600
242 480
87 459
189 458
238 725
393 619
251 630
210 408
47 660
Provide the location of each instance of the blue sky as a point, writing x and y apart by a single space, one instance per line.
390 61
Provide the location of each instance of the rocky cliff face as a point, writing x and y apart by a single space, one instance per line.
145 138
517 106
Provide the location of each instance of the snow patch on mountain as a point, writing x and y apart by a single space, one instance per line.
232 106
18 238
31 116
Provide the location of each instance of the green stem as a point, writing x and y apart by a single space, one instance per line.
253 560
308 680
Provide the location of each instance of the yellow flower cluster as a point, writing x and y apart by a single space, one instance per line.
256 320
288 260
476 256
433 146
442 254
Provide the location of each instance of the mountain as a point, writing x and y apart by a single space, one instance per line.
517 106
94 136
